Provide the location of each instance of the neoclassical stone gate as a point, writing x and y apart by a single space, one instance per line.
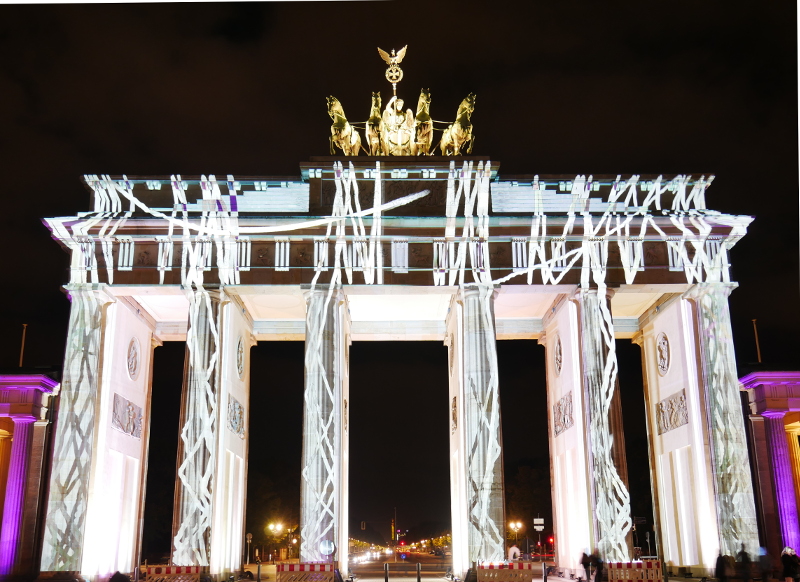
399 249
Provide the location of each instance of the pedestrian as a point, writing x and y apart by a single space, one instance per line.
597 562
744 565
721 569
586 562
789 562
764 564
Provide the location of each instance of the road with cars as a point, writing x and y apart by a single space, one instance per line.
371 568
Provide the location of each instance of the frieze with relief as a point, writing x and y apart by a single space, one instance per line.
562 414
672 412
127 417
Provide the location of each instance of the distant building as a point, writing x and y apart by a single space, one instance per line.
25 428
774 434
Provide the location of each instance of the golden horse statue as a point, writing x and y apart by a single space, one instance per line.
343 135
374 131
457 134
424 123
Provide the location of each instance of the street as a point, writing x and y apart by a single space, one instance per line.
433 568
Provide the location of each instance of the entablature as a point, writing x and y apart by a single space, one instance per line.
411 221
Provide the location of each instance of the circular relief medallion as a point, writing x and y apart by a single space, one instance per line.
240 356
662 352
558 356
133 358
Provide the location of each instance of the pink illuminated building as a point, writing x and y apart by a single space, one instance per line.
24 434
774 399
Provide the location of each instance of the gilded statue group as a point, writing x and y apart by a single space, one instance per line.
394 132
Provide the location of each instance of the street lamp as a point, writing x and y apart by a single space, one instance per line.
275 529
249 539
515 527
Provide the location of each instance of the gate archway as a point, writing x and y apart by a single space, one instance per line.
572 262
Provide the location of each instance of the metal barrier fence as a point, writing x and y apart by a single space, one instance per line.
305 572
173 573
647 570
500 572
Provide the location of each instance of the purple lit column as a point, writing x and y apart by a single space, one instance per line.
782 477
15 493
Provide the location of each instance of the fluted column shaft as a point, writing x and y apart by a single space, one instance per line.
197 446
733 485
321 474
14 505
793 439
612 510
70 469
5 457
483 436
783 480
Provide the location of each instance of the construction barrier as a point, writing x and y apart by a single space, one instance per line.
502 572
173 573
648 571
305 572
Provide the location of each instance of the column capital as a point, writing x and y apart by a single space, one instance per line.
309 292
773 414
699 290
638 338
475 289
214 293
99 291
581 292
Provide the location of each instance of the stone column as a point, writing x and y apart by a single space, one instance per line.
197 446
735 505
782 478
608 475
483 443
37 469
793 439
65 522
5 455
322 478
14 506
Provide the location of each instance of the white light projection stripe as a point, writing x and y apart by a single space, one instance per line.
592 254
733 486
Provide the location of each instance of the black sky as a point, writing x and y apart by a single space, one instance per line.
563 87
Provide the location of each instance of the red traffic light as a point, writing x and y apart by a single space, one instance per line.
402 542
551 540
538 543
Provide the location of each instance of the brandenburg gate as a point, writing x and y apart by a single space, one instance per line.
399 247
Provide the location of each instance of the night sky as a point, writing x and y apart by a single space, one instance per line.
562 87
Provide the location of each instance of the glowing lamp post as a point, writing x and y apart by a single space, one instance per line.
275 529
515 527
